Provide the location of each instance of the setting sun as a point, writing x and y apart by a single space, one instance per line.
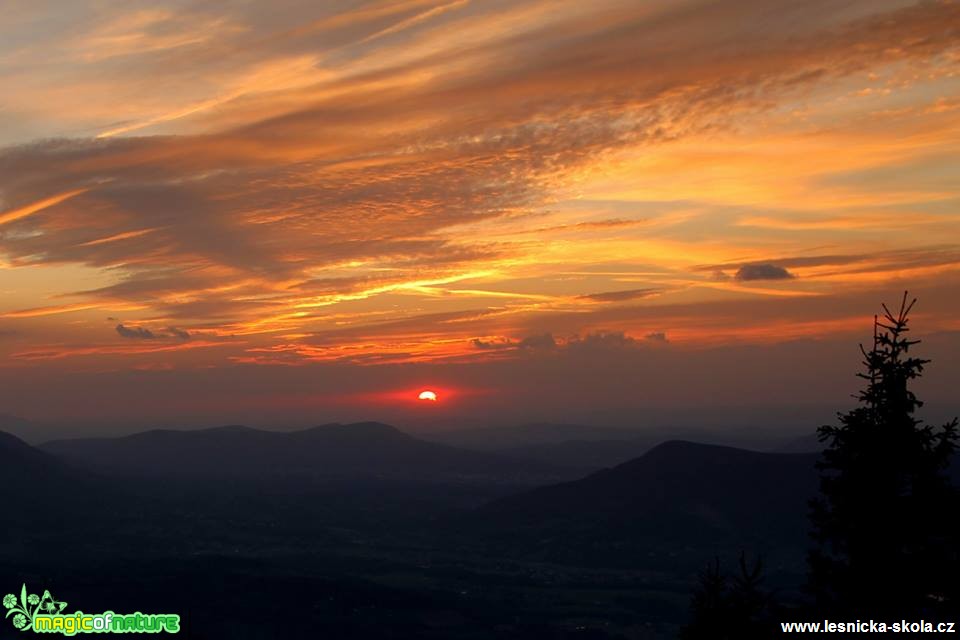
427 395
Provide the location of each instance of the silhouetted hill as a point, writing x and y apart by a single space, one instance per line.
592 447
366 450
33 481
680 499
584 455
19 460
677 491
504 438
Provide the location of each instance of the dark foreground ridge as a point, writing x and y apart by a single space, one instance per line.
156 520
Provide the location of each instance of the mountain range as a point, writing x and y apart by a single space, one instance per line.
589 448
679 495
366 450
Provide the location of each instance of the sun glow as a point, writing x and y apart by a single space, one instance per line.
429 396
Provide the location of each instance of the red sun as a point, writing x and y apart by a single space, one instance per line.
427 396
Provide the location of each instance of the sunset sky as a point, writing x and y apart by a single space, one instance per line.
612 212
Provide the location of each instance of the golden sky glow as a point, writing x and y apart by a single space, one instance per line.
214 186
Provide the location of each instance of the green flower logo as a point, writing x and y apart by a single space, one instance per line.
25 609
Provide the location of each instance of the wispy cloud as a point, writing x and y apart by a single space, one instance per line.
12 215
445 181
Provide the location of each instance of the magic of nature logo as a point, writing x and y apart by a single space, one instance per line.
44 614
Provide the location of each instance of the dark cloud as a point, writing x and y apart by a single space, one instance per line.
502 343
762 272
601 341
139 333
142 333
537 342
656 336
719 275
178 333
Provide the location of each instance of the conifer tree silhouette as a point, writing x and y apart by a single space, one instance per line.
709 608
731 609
886 521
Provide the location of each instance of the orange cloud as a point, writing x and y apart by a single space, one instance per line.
386 183
34 207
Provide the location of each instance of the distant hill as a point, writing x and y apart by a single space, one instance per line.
366 450
678 497
679 493
585 455
503 438
39 487
21 464
592 447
